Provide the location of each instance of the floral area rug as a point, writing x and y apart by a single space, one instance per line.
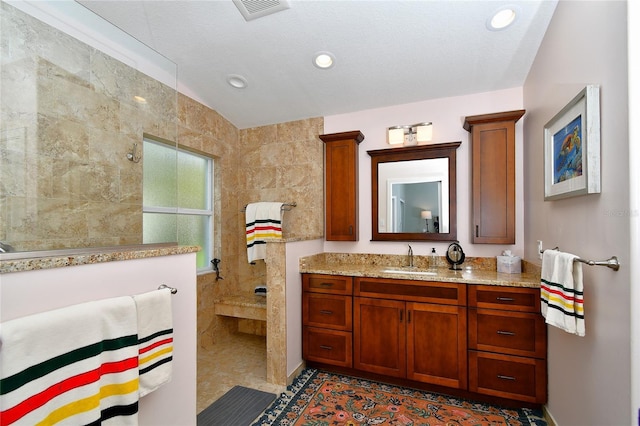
318 398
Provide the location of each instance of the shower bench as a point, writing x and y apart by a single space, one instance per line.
241 306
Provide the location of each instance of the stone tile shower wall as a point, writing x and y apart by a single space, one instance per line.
281 162
68 119
203 129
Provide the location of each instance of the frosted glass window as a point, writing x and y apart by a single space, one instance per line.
177 198
159 228
159 171
193 231
193 172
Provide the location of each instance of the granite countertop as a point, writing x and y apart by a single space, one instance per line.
31 261
474 271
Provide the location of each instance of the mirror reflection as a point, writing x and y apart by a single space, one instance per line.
413 193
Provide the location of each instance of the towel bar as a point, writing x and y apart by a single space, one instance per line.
285 206
173 290
612 262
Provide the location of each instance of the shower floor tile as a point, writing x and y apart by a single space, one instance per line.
240 359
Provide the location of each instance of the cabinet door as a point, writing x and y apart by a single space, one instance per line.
506 376
437 344
327 346
341 185
379 336
514 333
327 311
494 183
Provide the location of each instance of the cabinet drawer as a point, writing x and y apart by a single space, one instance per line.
505 376
513 333
417 291
506 298
327 346
327 310
333 284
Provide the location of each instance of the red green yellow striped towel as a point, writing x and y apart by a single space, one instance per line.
155 339
263 221
75 365
561 292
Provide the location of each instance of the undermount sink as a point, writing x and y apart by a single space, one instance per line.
407 271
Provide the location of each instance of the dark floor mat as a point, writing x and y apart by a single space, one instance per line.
238 407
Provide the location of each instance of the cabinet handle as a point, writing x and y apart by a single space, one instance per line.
401 315
477 231
408 317
501 377
325 312
505 299
350 229
327 348
326 284
506 333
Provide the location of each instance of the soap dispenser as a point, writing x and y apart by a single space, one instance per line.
433 259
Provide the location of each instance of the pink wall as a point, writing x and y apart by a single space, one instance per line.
25 293
589 377
447 115
633 48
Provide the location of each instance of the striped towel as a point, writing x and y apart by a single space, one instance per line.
75 365
561 292
155 339
264 220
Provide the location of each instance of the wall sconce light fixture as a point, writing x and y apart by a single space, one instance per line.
426 215
410 135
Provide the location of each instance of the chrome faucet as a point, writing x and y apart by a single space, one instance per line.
410 256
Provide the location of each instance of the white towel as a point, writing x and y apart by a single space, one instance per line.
263 220
561 291
155 339
74 365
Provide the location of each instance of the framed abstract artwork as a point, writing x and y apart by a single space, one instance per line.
572 148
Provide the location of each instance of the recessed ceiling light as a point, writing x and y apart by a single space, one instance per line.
323 60
237 81
140 99
502 18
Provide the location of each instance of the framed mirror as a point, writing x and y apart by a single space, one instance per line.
413 193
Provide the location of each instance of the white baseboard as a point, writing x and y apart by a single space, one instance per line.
548 417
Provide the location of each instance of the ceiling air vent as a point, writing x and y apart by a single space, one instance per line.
252 9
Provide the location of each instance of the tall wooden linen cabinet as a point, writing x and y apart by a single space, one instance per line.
341 185
493 141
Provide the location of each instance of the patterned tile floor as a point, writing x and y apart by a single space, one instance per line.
240 359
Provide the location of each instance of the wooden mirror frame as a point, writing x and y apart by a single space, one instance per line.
408 153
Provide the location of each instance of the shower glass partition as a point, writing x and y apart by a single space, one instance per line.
76 97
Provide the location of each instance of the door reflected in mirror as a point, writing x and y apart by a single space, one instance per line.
413 193
410 189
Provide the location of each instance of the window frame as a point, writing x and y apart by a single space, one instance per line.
177 210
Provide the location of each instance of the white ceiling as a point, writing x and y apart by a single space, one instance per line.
388 52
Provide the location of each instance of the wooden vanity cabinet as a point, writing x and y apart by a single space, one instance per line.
327 317
411 329
341 185
507 343
493 176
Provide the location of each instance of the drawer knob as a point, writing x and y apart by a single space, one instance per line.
505 299
506 333
326 348
501 377
326 312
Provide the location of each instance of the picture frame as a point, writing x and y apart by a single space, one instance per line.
572 148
